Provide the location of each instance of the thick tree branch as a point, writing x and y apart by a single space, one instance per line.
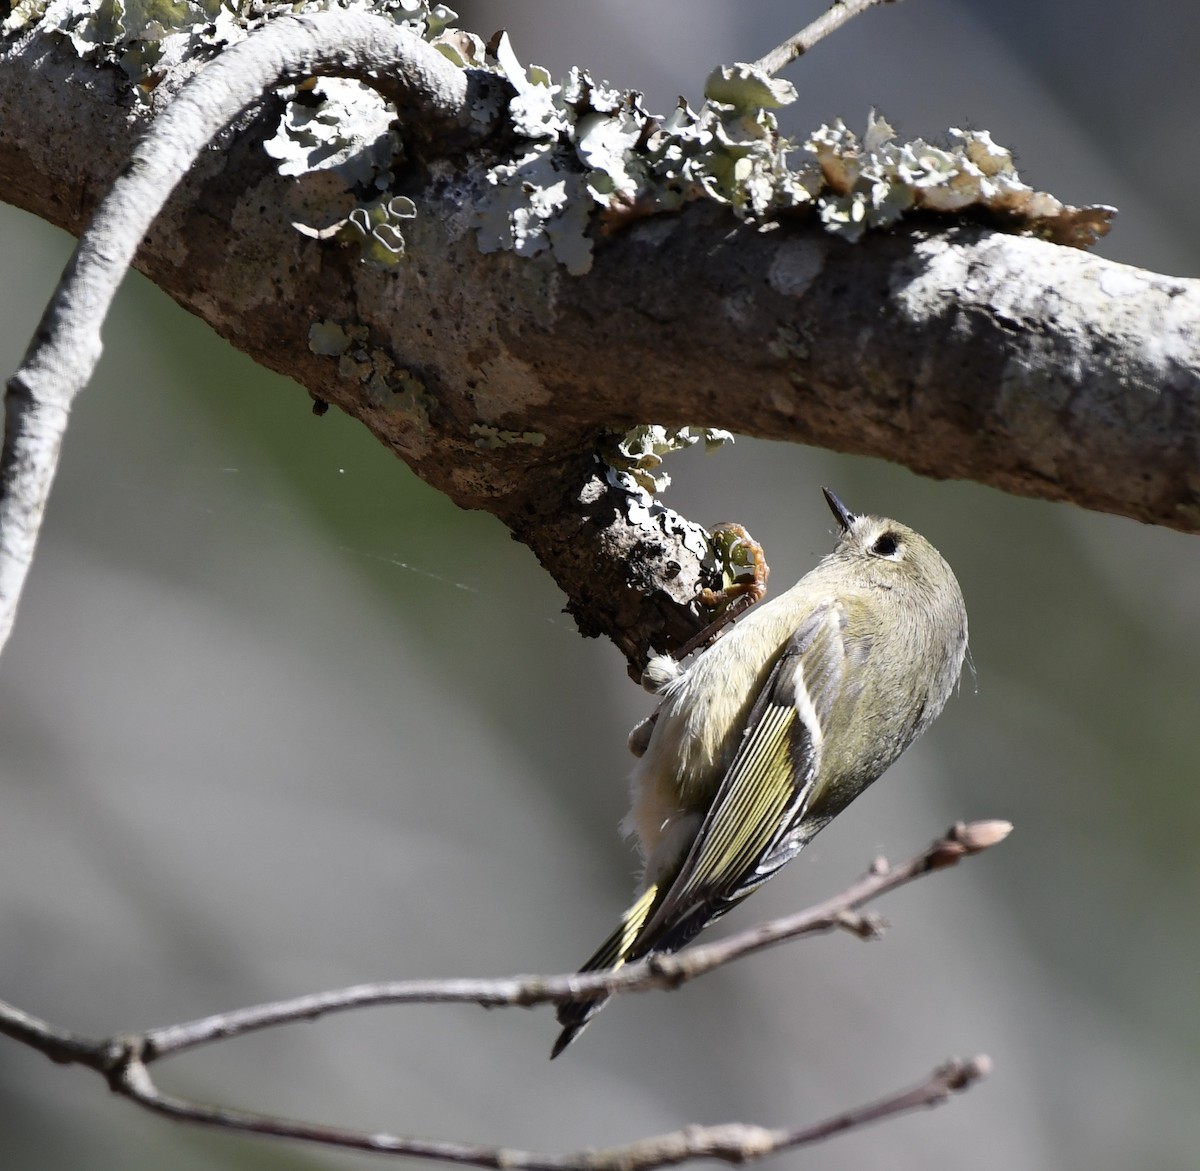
124 1060
959 351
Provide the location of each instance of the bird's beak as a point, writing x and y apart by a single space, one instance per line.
845 517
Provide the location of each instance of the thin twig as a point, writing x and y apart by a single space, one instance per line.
660 971
60 1045
733 1142
961 840
411 74
830 21
124 1060
122 1063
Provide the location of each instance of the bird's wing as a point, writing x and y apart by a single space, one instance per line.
765 791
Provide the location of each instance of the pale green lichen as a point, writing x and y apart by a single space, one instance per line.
337 125
742 87
639 453
872 183
532 206
376 228
130 32
490 437
387 385
585 153
633 164
334 125
345 127
643 512
328 339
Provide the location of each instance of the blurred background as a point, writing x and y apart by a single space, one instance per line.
277 718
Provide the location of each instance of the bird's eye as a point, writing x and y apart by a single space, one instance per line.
886 545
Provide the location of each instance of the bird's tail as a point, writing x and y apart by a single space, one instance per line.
612 954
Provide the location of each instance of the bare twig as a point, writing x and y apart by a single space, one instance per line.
124 1060
414 76
836 913
830 21
59 1045
733 1142
661 971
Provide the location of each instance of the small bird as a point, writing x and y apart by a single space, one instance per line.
766 736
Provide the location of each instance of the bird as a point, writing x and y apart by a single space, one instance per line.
763 738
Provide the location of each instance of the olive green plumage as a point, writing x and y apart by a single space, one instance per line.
769 734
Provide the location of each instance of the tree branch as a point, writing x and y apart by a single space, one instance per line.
734 1142
124 1060
812 34
960 351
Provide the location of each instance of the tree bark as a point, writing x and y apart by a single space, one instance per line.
957 350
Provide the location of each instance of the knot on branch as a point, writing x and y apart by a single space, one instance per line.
870 926
667 969
122 1057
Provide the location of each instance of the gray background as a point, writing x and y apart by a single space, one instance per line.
276 717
